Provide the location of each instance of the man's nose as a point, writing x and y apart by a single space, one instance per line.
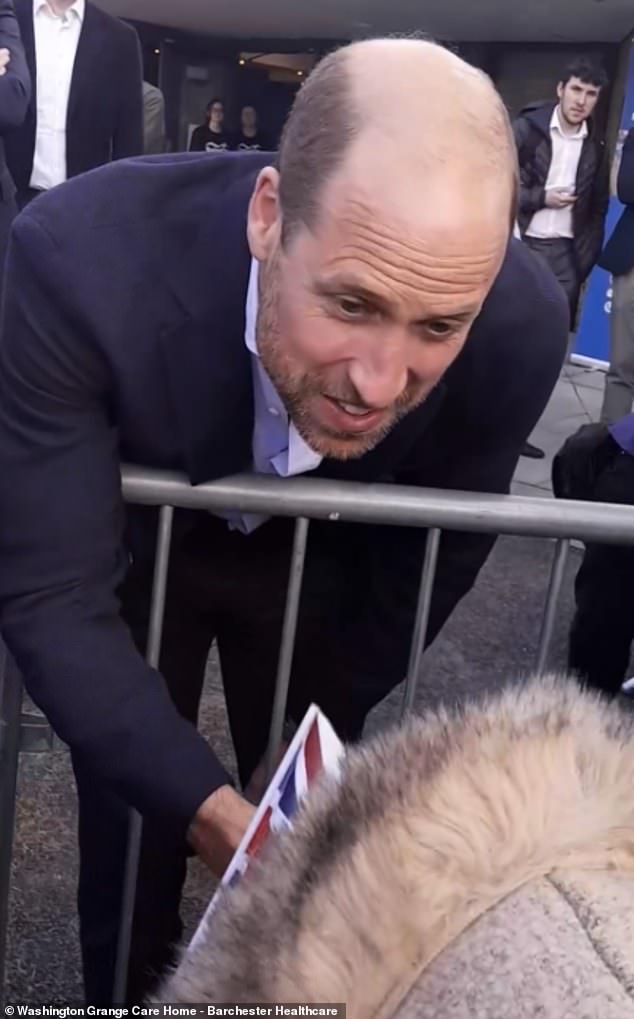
380 376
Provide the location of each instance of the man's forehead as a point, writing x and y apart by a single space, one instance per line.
588 85
428 224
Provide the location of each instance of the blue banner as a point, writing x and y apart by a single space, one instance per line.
593 335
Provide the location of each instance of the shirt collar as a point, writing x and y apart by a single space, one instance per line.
555 125
78 8
251 312
299 457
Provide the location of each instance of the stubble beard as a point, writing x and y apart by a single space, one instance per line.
297 389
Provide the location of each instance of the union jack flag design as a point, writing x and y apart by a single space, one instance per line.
314 750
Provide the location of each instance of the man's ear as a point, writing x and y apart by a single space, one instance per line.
560 90
264 217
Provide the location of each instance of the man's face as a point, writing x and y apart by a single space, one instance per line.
577 100
360 317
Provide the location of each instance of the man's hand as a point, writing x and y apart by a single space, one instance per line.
218 827
559 198
5 58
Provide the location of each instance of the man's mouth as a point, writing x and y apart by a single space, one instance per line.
351 417
353 408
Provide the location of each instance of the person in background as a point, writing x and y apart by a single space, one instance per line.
211 136
87 107
564 182
597 464
15 93
154 136
250 138
618 259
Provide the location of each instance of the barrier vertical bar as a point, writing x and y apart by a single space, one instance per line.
287 647
555 582
10 715
135 831
428 575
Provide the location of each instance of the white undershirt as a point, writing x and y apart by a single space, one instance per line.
551 223
56 42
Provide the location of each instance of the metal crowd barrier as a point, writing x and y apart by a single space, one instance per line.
308 499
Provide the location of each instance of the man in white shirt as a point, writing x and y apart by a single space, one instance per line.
564 188
87 103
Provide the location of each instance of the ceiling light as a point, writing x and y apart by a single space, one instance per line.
242 61
157 52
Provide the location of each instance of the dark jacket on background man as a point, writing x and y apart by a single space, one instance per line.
105 107
15 92
534 147
143 359
618 255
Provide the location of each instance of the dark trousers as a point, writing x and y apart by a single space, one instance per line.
603 626
559 255
232 588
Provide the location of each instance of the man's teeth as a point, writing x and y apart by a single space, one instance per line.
351 408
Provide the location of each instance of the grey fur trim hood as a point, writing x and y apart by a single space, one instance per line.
471 863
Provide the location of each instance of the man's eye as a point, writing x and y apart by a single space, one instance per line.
351 307
439 328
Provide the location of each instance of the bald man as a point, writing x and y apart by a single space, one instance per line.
356 312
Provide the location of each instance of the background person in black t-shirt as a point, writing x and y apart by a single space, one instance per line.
211 136
250 137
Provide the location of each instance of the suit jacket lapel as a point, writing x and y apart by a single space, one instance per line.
207 363
88 50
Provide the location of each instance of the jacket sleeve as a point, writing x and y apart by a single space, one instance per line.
599 201
477 443
128 136
61 551
532 196
625 184
15 85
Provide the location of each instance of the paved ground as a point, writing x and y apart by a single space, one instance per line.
490 640
576 400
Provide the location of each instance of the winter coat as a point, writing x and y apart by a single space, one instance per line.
472 863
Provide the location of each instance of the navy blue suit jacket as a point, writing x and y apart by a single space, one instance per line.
123 340
15 92
618 255
105 106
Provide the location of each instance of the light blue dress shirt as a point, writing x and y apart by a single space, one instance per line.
277 447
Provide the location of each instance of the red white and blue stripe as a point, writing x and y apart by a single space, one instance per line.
314 750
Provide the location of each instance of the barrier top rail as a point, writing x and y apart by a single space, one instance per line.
404 505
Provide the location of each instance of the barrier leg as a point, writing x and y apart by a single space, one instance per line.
10 708
557 574
155 634
287 646
421 623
